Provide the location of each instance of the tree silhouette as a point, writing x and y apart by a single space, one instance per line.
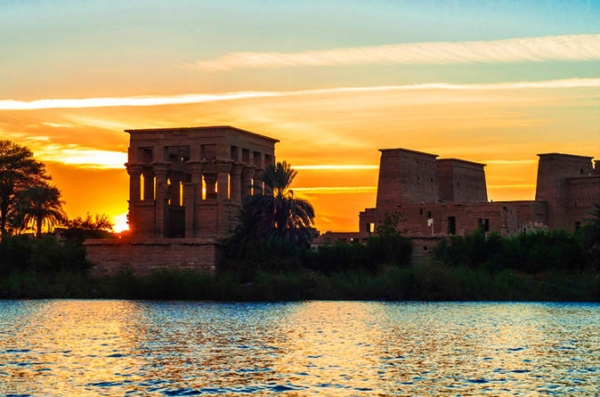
591 236
18 171
279 215
40 205
276 221
79 229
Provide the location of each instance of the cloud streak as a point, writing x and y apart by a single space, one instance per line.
10 104
584 47
81 157
335 189
336 167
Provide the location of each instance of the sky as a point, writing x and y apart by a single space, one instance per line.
496 82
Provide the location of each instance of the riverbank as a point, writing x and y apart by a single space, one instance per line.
431 282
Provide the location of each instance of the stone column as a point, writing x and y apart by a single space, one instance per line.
210 177
161 217
247 175
135 172
148 184
223 167
258 185
174 190
236 182
191 196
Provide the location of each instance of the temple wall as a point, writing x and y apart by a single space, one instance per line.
461 181
582 194
554 170
111 255
434 219
406 176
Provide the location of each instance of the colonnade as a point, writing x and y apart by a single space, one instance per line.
165 185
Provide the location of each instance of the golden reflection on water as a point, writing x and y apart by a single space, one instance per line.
95 348
332 346
63 346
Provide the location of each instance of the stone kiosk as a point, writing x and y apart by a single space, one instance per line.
186 186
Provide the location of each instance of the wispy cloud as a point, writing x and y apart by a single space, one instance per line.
10 104
336 189
583 47
81 157
510 162
336 167
57 125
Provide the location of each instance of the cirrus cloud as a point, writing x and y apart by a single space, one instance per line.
584 47
79 103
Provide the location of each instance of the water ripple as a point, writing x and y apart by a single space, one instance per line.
107 348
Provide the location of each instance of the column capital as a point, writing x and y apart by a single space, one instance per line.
134 168
248 171
161 168
223 165
236 169
195 165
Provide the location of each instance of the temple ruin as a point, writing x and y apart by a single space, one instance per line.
186 186
441 197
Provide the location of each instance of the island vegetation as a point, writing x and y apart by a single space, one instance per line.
269 256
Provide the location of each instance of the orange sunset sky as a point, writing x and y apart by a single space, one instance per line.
495 82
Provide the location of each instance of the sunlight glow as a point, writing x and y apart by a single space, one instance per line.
82 157
336 189
336 167
511 186
120 223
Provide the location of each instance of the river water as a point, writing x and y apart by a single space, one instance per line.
138 348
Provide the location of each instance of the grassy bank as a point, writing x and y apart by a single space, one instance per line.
545 266
433 282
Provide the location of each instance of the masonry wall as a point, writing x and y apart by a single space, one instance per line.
406 176
461 181
111 255
531 215
554 170
583 193
432 219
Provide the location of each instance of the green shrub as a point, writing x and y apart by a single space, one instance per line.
530 253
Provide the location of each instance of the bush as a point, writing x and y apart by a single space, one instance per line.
530 253
45 255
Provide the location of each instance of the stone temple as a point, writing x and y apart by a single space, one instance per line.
186 187
441 197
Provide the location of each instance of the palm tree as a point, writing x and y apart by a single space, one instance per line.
41 205
18 171
278 215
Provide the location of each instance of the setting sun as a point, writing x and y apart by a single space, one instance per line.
120 223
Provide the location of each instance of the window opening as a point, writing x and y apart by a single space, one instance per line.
451 225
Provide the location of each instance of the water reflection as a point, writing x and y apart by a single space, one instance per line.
65 347
91 348
331 348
